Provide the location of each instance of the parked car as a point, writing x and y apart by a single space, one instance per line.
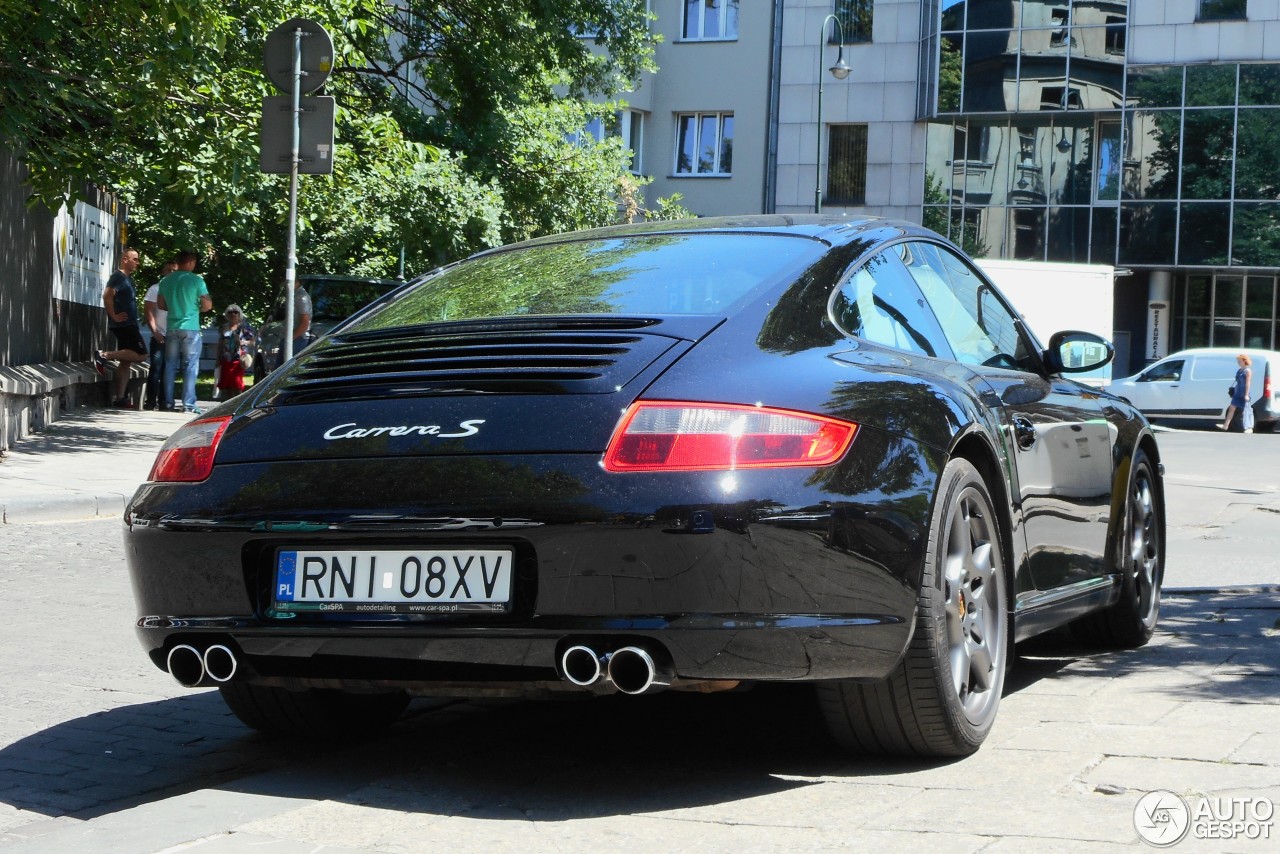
333 300
1192 385
738 450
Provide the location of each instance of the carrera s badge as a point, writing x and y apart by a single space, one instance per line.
354 431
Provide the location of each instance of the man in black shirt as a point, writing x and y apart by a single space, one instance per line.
121 301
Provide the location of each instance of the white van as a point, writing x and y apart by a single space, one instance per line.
1192 385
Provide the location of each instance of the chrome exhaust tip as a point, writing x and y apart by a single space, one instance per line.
185 665
633 670
582 666
220 663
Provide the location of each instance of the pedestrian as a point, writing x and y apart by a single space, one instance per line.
301 317
121 301
184 295
1240 395
236 345
156 323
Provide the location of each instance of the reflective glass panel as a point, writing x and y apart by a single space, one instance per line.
1068 235
1258 154
1259 297
1095 70
991 68
1072 170
1102 239
1255 236
1198 290
1152 146
707 144
1206 164
950 73
953 14
1156 86
939 138
1110 162
1027 227
1147 233
1226 333
1260 85
1257 334
1211 85
985 233
1204 234
1228 296
1197 333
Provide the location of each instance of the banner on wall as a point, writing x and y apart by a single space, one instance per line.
1157 329
84 245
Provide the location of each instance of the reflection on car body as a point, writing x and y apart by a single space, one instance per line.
713 453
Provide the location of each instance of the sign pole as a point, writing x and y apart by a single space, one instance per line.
291 263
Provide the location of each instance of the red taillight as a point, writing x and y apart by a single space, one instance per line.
187 455
1266 383
671 436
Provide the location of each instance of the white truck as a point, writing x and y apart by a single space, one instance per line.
1052 297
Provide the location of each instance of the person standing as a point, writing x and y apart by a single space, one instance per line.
236 344
301 317
121 301
1240 395
156 323
184 295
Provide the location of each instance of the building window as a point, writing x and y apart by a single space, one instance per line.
593 132
704 144
631 127
847 165
855 21
1222 10
710 19
1115 35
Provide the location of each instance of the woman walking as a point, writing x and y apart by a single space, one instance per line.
1240 395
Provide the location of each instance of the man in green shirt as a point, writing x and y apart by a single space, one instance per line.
184 295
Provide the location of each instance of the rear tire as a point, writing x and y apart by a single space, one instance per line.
941 699
313 712
1139 560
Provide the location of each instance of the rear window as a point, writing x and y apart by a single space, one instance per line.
644 275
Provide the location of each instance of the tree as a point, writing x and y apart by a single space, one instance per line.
161 103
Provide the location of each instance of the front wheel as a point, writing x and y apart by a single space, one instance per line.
941 699
316 712
1139 561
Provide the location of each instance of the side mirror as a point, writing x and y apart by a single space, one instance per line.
1074 352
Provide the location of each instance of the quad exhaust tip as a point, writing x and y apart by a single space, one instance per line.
186 665
192 668
631 669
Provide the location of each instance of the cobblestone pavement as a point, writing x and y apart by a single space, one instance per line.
99 751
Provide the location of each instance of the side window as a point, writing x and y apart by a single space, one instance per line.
881 303
1165 372
979 326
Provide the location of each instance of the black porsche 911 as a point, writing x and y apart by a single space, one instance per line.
688 455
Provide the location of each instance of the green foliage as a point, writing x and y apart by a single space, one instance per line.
161 102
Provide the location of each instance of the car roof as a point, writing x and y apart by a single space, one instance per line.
833 229
1224 351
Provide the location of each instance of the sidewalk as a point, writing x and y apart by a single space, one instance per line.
86 464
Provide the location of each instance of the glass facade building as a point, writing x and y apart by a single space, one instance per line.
1046 143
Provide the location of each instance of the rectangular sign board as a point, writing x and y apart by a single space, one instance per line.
84 253
315 135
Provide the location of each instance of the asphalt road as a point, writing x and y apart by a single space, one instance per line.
99 751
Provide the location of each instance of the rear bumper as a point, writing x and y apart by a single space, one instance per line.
795 579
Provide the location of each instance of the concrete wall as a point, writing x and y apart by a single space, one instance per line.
880 92
45 344
1166 31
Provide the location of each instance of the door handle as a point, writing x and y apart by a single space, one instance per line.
1024 432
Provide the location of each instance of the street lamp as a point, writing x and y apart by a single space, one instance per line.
839 71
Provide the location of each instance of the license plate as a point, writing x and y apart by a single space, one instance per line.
405 581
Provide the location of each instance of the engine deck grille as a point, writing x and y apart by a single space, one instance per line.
493 357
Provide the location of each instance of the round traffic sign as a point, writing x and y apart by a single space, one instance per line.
317 55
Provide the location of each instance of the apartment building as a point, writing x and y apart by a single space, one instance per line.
1132 133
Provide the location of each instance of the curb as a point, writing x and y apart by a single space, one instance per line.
61 508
